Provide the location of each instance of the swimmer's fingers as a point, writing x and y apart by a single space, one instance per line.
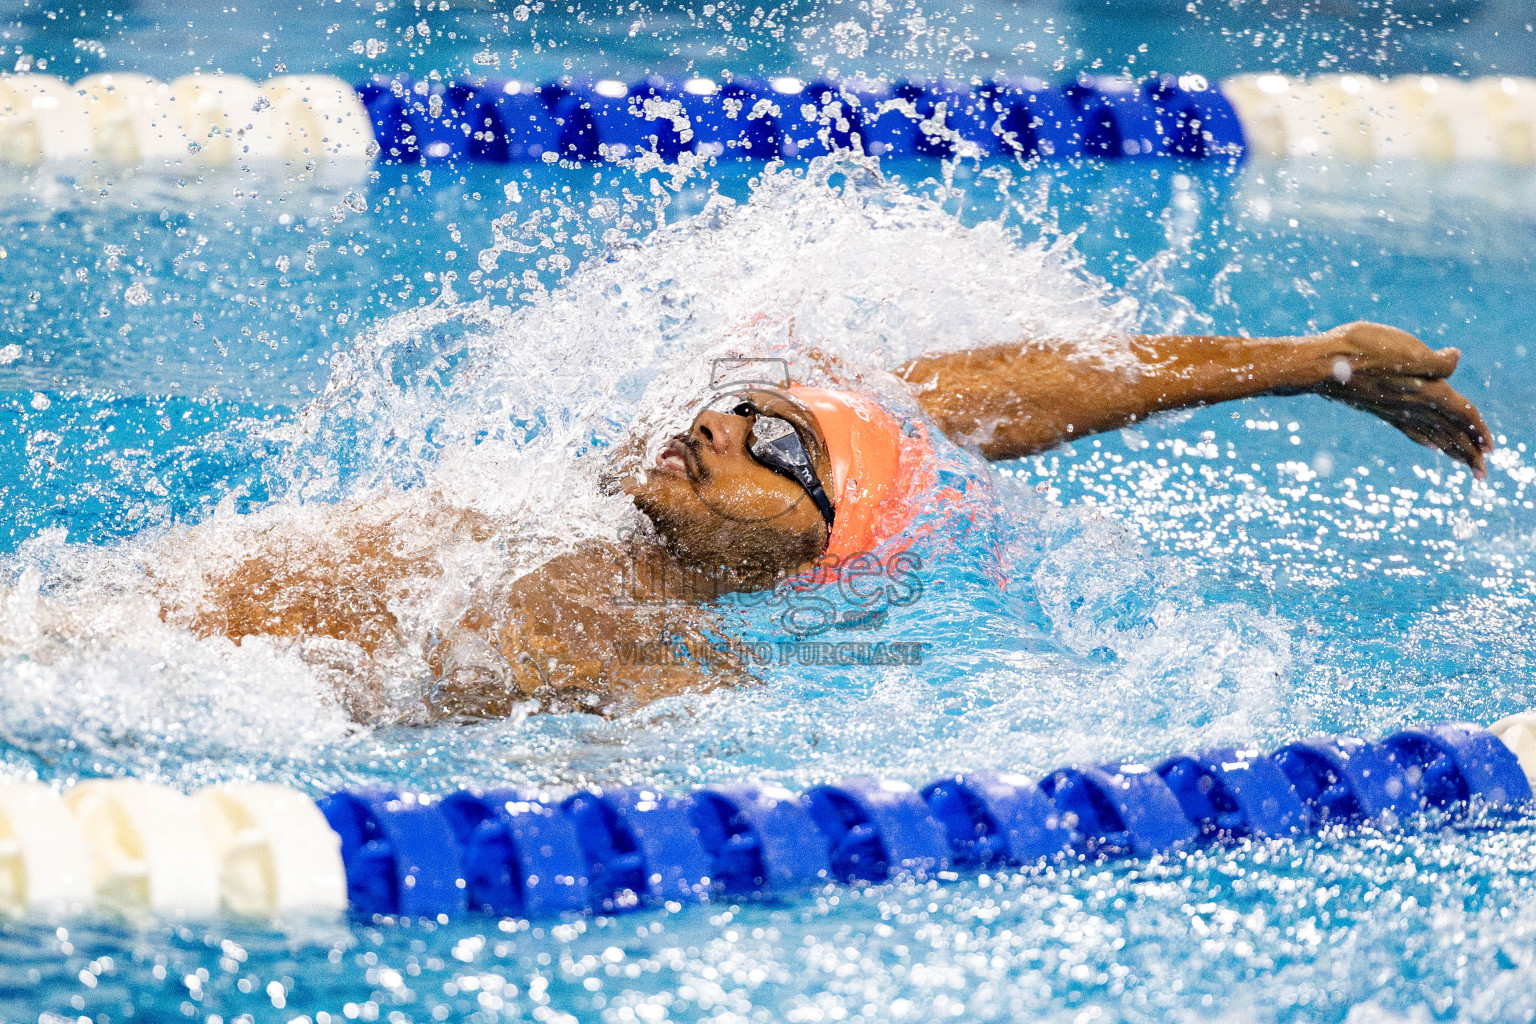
1451 424
1455 421
1422 411
1448 359
1430 412
1450 442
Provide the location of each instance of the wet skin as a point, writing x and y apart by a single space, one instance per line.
723 522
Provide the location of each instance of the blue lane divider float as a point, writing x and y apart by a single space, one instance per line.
1230 794
995 818
609 850
760 839
1448 763
401 854
508 121
876 827
521 857
639 844
1342 778
1124 810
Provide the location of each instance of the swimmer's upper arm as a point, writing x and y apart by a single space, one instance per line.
1008 402
1011 401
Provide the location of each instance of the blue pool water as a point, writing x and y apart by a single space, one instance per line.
186 364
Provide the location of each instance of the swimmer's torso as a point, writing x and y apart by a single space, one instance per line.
602 628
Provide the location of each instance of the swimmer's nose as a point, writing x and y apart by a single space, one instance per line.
720 432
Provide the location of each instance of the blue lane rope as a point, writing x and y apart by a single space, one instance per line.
502 121
510 854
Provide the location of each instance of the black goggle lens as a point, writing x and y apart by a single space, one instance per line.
774 442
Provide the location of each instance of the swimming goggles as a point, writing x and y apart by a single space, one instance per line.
775 443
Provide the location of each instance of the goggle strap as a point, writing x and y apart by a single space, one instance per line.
818 494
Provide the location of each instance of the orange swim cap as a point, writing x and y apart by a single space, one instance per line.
879 471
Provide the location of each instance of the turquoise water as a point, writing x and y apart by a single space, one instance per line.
541 41
255 354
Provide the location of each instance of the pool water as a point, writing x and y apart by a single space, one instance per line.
186 364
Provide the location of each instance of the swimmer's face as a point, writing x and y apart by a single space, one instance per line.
718 507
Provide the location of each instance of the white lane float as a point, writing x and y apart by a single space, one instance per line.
327 122
133 121
1360 119
44 862
41 121
220 116
276 855
124 120
1510 106
149 851
1435 119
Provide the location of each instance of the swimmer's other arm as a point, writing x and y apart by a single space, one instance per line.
1010 401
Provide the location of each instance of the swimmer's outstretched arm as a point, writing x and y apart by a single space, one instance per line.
1009 402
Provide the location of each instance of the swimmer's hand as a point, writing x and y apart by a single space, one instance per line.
1395 376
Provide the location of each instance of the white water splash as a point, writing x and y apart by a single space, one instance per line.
514 415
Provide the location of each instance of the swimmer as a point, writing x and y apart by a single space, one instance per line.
766 490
